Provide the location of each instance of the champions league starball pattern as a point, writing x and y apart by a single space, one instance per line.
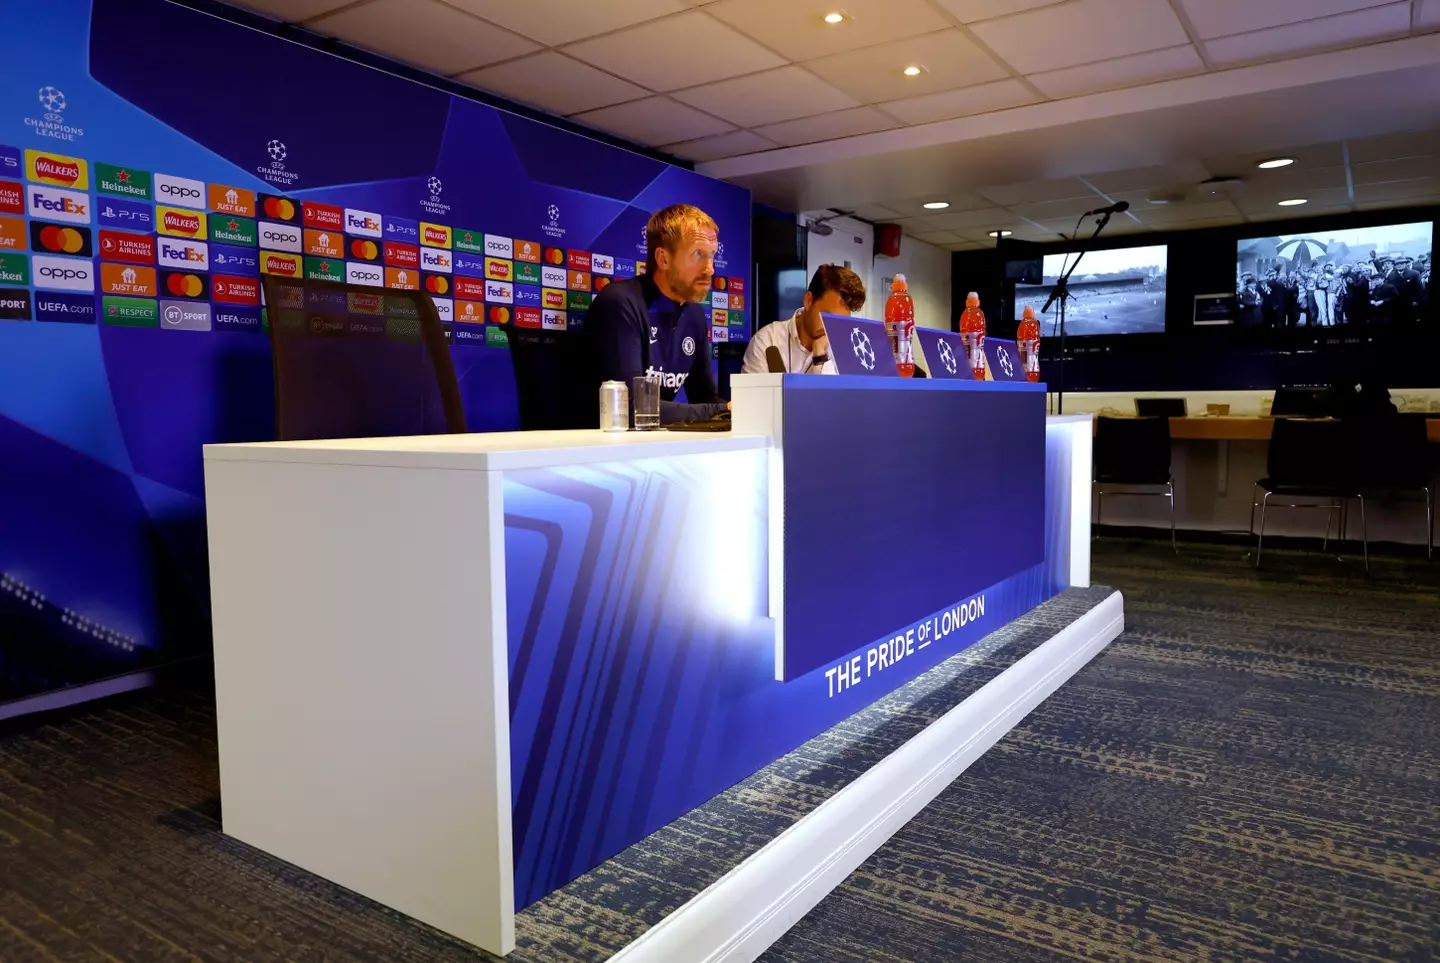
864 351
947 357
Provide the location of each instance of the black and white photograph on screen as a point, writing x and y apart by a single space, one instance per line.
1365 275
1119 291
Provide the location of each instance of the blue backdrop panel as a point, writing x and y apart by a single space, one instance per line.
111 412
958 466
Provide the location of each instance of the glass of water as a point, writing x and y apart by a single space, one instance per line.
645 395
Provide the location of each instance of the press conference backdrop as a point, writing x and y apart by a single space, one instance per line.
154 162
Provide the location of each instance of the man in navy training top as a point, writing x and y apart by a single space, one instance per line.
653 324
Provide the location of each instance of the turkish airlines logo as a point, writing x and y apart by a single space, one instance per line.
578 260
118 246
322 216
402 255
280 237
233 290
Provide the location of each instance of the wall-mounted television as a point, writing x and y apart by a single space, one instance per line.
1363 275
1117 291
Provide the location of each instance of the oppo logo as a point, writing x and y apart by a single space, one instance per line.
366 275
281 236
64 274
177 190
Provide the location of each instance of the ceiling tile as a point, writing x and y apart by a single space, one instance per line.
1344 30
721 145
1065 210
959 201
425 33
1290 213
1131 71
560 21
875 212
1217 18
969 11
939 237
983 219
1148 178
553 82
795 29
655 120
1081 31
1421 188
946 104
291 11
1400 169
871 75
1252 202
1414 143
1306 158
1175 213
1032 192
841 123
680 51
768 97
1428 15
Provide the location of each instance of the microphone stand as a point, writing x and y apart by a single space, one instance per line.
1062 294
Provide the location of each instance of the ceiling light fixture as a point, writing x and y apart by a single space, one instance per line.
1001 233
1293 202
835 17
914 70
1273 162
935 205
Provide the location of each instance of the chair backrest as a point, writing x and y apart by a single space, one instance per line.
1394 452
1132 451
1299 403
1312 453
555 378
1161 407
358 362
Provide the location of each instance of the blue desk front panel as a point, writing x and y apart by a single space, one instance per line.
903 498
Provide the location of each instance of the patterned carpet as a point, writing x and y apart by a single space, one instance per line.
1251 773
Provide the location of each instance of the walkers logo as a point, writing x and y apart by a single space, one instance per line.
179 190
52 123
184 316
12 198
434 204
280 237
324 243
273 207
719 316
58 239
402 255
434 235
128 182
371 275
14 269
373 304
14 305
402 229
552 228
553 277
435 259
470 288
578 301
322 216
436 284
470 264
231 200
472 241
469 312
63 273
527 294
402 279
12 234
244 261
498 292
190 255
578 281
624 268
552 299
130 215
498 270
130 312
577 260
280 265
232 290
57 169
58 205
501 247
244 320
602 264
180 222
67 308
445 308
527 251
527 274
183 284
553 320
363 223
555 256
127 279
234 230
325 269
364 249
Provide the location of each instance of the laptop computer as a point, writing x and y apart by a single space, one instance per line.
1161 407
1003 359
860 347
944 353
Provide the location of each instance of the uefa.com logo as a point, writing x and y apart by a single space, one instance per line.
275 171
433 204
51 122
553 228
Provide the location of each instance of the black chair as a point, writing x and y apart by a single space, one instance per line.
1394 461
1161 407
358 362
1133 453
1315 461
555 378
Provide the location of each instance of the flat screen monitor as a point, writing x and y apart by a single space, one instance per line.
1119 291
1362 275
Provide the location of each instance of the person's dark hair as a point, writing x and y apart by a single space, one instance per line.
841 280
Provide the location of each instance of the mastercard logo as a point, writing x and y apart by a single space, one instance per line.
499 315
553 255
718 283
363 249
184 285
65 239
436 284
601 282
279 208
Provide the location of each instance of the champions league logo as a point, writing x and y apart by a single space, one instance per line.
433 204
864 351
947 357
1005 364
720 262
52 123
276 173
642 247
553 229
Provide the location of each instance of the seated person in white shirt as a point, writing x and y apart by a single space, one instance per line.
801 339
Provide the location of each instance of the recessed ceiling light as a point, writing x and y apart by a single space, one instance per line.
914 70
835 16
1265 165
935 205
1293 202
1001 233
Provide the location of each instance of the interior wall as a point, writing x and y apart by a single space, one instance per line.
927 269
851 243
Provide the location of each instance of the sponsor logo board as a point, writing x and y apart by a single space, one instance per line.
128 182
190 255
180 191
185 315
66 308
62 273
361 272
224 199
128 280
130 312
58 170
228 259
55 204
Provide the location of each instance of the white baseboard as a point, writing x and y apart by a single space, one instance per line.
738 917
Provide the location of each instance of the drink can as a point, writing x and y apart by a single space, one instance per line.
614 406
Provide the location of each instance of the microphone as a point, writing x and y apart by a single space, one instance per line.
1119 207
774 361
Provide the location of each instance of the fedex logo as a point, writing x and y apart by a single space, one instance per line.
602 264
497 270
435 259
194 255
58 205
498 292
719 334
499 246
363 223
554 300
552 320
553 277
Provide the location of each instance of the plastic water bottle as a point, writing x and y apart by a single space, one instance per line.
1027 338
900 325
972 334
